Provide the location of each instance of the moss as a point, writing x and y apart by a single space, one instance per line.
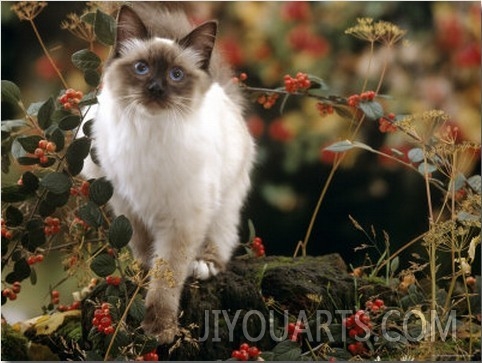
14 344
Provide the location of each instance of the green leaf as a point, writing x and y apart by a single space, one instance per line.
287 351
100 191
26 160
372 110
69 122
394 265
120 232
103 265
104 28
426 168
85 59
92 77
87 127
57 183
15 193
22 269
45 113
10 92
340 146
57 200
88 18
30 181
137 310
76 153
58 138
14 217
415 155
91 214
29 143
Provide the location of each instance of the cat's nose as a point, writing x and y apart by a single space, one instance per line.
156 88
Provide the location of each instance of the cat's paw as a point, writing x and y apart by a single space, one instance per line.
202 269
159 325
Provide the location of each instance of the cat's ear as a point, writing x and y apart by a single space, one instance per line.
202 39
129 26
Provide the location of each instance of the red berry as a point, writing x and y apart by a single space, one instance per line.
352 349
55 293
75 305
108 330
42 144
43 159
352 333
16 287
253 352
55 300
39 258
31 260
105 306
379 302
50 147
243 355
244 346
39 152
12 296
6 292
235 354
105 321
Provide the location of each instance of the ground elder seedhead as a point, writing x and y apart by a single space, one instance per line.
28 10
382 31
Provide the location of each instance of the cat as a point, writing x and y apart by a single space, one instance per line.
170 136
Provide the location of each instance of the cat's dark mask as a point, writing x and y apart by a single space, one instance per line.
159 73
201 39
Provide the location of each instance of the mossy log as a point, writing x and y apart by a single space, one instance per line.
252 302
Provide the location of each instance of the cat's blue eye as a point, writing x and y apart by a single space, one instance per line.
176 74
141 68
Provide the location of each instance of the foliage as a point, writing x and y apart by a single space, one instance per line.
45 144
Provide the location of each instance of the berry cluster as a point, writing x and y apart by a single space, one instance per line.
35 259
82 190
55 297
300 82
70 98
102 320
375 306
44 147
113 280
5 232
242 77
385 124
257 247
11 293
52 226
151 356
357 324
324 108
246 352
294 329
268 100
354 100
357 348
74 306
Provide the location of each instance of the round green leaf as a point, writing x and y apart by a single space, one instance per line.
76 153
25 160
57 183
373 110
69 122
137 310
29 143
45 112
103 265
21 269
14 217
100 191
415 155
104 28
92 77
120 232
87 127
85 59
30 181
90 214
10 92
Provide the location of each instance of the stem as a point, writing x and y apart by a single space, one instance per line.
47 54
369 66
131 301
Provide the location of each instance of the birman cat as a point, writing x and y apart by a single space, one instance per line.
170 136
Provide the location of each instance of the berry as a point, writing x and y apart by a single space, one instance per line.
300 82
50 147
39 258
43 159
6 292
244 346
253 352
55 294
42 144
109 330
16 287
31 260
39 152
151 356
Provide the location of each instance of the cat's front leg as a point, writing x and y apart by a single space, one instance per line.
170 268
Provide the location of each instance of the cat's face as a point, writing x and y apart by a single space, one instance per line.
159 74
